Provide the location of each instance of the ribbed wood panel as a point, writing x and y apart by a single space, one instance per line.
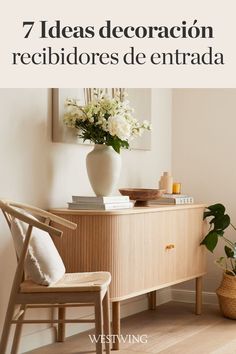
133 246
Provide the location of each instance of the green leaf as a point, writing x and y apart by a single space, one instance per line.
221 222
116 147
229 252
233 248
220 260
218 208
210 241
214 210
125 144
212 221
207 214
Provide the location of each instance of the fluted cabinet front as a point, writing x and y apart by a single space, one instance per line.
144 249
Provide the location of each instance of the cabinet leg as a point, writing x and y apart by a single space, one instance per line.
116 323
198 304
61 326
152 303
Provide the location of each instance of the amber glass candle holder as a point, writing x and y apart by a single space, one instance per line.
176 188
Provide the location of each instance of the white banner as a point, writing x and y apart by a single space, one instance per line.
118 44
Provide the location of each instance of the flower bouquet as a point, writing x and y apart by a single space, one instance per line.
105 120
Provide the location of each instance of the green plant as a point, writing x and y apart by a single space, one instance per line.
219 221
105 120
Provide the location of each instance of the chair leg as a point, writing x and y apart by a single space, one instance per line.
7 327
61 326
116 324
98 323
106 319
18 330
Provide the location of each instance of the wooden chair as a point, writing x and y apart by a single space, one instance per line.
74 289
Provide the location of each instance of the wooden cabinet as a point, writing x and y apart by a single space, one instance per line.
144 248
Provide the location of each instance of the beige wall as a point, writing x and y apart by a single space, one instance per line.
203 153
35 170
200 139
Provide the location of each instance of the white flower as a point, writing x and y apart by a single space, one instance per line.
146 125
91 119
70 120
119 126
105 118
102 122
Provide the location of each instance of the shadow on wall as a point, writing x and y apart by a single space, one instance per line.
7 268
25 138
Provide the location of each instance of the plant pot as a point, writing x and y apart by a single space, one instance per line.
103 168
227 296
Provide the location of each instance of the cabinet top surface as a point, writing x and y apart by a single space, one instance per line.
135 210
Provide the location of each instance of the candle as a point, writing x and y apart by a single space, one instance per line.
176 188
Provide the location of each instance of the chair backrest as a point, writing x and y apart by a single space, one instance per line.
34 247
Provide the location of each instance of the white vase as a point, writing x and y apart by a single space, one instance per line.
103 168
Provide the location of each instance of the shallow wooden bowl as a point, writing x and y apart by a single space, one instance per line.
142 195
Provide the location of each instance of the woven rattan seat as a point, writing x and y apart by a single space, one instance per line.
76 282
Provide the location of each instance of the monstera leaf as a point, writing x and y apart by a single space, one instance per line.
219 221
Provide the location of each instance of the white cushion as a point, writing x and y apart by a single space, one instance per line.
43 263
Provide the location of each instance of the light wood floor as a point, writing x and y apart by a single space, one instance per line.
171 329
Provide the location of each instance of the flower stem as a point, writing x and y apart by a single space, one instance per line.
233 226
228 241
